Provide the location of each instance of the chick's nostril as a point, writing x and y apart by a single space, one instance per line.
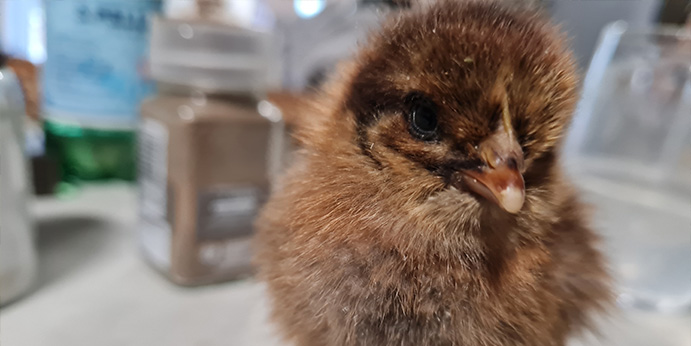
512 163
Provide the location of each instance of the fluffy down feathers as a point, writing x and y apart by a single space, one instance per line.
370 242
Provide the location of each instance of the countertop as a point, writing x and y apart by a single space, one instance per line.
93 288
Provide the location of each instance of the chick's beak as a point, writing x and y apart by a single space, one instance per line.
499 179
503 186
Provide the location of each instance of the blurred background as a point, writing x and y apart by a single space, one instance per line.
138 139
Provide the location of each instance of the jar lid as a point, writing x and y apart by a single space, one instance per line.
210 56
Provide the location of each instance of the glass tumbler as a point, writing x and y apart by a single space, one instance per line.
629 150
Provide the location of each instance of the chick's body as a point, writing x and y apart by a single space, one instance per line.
393 226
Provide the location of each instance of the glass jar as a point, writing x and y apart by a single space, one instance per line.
630 151
209 148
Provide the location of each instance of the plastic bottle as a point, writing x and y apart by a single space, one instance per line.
93 82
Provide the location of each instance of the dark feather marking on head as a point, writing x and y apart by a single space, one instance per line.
539 171
369 96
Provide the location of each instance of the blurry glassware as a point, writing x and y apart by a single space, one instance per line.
209 148
22 30
630 151
314 44
17 253
245 13
308 8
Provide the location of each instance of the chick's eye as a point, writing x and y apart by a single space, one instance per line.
423 121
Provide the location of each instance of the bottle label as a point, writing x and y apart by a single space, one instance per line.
225 217
96 61
155 204
227 212
228 255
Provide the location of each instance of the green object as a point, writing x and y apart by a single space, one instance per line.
93 80
92 154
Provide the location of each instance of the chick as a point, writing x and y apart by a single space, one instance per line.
428 206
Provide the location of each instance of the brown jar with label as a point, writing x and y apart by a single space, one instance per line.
209 146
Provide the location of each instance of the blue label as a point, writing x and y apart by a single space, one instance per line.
96 58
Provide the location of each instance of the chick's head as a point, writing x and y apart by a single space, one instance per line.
466 97
448 117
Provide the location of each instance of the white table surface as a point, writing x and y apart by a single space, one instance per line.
94 289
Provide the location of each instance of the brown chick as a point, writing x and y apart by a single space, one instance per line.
427 206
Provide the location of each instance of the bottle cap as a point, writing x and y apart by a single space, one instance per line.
210 56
